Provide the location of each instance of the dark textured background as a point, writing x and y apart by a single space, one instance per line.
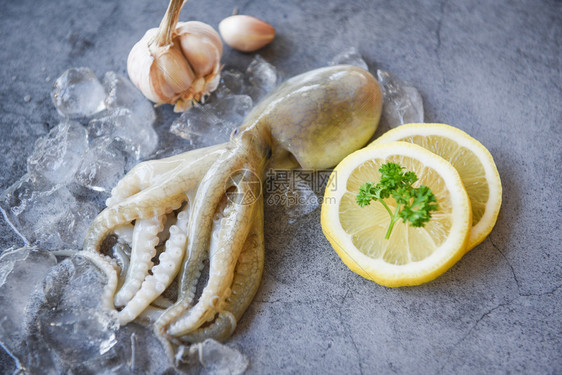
489 68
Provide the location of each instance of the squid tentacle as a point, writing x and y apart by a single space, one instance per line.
125 233
124 213
222 328
151 314
162 302
156 200
207 198
149 173
119 254
247 277
224 252
209 194
163 273
108 266
145 239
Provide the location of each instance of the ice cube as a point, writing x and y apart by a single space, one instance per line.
219 359
201 127
57 155
78 93
231 109
300 201
213 122
66 321
14 199
47 216
262 77
294 190
21 272
350 57
231 83
121 123
121 93
103 164
402 103
136 351
67 315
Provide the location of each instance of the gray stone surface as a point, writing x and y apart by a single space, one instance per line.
492 69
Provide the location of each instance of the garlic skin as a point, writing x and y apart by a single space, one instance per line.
177 63
246 33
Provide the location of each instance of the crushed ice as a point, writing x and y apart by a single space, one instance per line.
57 155
212 123
402 103
296 191
214 357
21 272
86 153
52 322
350 57
78 93
220 359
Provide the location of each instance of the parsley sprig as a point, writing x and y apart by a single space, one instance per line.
412 204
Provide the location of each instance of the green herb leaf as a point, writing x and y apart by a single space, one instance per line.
412 204
365 196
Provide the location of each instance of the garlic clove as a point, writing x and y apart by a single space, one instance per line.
203 30
170 73
139 63
246 33
201 45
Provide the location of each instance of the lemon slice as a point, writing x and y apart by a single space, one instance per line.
473 162
411 255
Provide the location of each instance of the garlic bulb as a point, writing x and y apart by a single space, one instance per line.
177 63
246 33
